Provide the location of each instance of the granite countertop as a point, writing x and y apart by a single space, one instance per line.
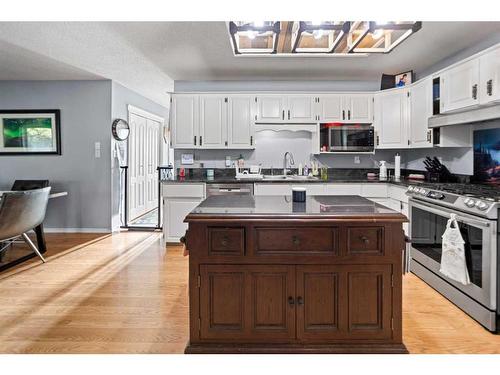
346 206
232 180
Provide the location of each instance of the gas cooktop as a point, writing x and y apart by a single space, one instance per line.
481 200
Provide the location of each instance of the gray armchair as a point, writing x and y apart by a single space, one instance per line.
20 212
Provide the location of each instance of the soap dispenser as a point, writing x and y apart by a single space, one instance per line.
383 171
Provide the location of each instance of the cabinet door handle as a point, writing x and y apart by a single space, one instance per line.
195 140
200 141
225 143
474 91
349 114
343 114
283 114
429 136
224 241
489 87
300 300
291 301
289 114
251 140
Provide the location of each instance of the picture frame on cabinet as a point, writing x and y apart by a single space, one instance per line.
30 132
403 79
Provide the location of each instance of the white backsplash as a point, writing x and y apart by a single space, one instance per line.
271 147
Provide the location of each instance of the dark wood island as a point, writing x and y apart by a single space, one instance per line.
268 275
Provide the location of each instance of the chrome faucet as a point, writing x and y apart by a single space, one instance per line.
292 162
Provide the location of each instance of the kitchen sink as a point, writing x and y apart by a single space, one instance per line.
282 177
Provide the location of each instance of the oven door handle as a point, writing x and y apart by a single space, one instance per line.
441 210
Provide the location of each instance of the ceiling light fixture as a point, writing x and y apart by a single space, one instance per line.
256 37
329 38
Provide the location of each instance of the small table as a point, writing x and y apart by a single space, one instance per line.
40 237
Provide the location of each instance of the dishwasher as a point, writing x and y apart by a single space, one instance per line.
229 189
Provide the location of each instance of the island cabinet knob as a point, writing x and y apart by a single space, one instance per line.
225 241
296 240
300 300
364 239
291 301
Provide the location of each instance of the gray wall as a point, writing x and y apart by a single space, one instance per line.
85 118
121 98
200 86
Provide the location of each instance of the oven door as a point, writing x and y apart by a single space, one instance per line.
351 138
428 223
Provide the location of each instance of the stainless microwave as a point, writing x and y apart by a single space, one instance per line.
337 137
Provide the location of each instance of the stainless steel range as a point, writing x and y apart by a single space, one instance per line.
477 211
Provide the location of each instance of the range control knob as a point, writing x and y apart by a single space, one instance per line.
469 202
423 191
411 188
482 205
435 195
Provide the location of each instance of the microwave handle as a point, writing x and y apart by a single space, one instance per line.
440 211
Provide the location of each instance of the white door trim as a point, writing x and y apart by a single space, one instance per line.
143 113
133 110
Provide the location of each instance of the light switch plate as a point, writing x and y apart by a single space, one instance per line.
97 150
187 159
357 160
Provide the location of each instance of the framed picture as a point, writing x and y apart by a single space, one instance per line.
30 132
403 79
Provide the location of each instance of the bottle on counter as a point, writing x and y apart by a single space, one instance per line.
241 161
306 170
299 172
383 171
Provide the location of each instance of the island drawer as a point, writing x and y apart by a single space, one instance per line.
365 240
281 240
226 241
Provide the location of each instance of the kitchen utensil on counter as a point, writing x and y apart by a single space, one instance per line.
438 171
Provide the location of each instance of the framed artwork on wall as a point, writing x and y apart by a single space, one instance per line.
30 132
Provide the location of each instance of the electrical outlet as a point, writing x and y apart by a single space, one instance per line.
97 150
357 160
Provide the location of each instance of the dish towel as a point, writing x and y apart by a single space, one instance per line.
453 264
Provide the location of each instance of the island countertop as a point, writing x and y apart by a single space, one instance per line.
327 207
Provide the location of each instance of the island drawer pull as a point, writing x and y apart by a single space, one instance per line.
225 241
364 239
291 301
296 240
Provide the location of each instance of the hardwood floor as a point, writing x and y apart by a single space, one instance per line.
126 294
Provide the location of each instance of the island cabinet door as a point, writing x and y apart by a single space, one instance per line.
369 301
247 303
321 298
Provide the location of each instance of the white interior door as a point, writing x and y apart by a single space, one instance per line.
137 170
152 155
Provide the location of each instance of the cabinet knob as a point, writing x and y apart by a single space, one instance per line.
291 301
224 241
364 239
300 301
295 240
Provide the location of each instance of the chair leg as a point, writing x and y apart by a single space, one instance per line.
33 247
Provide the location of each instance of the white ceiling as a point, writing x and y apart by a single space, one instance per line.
148 56
202 51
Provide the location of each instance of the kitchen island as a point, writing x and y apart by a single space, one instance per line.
268 275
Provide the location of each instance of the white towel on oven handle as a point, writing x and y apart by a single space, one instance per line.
453 263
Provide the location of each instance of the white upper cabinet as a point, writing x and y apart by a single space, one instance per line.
330 108
185 121
420 111
271 108
300 108
240 121
213 121
391 119
489 75
459 86
358 108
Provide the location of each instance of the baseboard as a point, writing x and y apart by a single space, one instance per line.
77 230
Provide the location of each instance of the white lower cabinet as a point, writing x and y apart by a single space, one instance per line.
178 201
